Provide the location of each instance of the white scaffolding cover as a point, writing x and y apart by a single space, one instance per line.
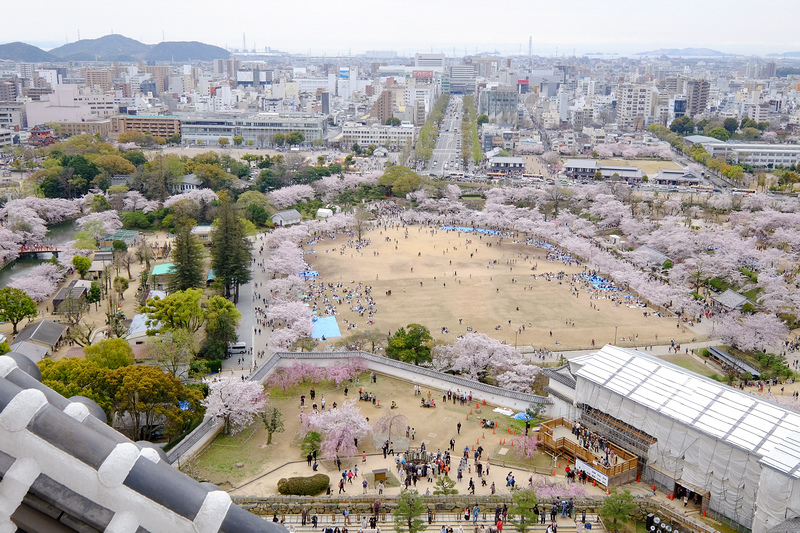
710 436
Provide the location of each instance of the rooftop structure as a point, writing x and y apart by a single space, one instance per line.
63 469
739 452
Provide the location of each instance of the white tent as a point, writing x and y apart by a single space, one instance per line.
739 451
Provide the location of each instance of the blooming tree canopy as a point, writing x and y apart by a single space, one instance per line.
339 428
234 401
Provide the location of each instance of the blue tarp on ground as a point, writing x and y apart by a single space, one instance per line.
521 416
471 230
309 274
325 327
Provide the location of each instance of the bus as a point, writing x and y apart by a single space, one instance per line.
456 175
702 189
495 175
743 192
533 177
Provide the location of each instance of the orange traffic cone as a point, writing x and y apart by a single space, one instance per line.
559 464
473 448
654 487
594 482
478 441
483 435
515 431
638 479
669 495
554 473
477 406
470 411
493 433
704 512
467 417
512 443
509 430
484 402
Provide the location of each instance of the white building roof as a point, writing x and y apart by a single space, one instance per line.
739 419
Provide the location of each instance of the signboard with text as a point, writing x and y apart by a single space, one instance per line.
422 73
592 472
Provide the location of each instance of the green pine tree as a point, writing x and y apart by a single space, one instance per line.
409 509
187 259
231 249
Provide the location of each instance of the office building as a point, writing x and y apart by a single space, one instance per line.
159 126
379 135
259 128
462 79
100 127
429 61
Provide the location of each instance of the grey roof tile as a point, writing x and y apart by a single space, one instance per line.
62 431
71 502
181 494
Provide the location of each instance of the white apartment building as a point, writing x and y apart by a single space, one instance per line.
68 103
758 155
634 105
429 61
379 135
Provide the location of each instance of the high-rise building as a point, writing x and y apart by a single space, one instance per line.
383 108
462 79
696 96
99 79
634 103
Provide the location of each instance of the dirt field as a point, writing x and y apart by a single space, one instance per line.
449 280
256 474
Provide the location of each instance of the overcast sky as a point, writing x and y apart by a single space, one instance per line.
407 26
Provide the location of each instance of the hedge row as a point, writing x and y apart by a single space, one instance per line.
304 486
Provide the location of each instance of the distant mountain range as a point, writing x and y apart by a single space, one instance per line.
785 54
115 48
24 52
683 52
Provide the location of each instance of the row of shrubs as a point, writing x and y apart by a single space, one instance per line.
304 486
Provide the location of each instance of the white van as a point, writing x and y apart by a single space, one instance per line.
237 348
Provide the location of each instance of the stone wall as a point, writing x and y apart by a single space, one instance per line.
329 508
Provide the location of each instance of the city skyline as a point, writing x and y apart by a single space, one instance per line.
571 27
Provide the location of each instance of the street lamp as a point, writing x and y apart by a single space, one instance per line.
615 334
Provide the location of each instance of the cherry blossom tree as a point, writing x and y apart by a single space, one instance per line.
285 260
751 332
339 428
474 354
136 201
294 374
340 373
41 282
288 288
199 197
286 196
526 447
287 234
51 210
27 225
9 245
390 425
234 401
109 219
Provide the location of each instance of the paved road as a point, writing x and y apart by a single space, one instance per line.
448 148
